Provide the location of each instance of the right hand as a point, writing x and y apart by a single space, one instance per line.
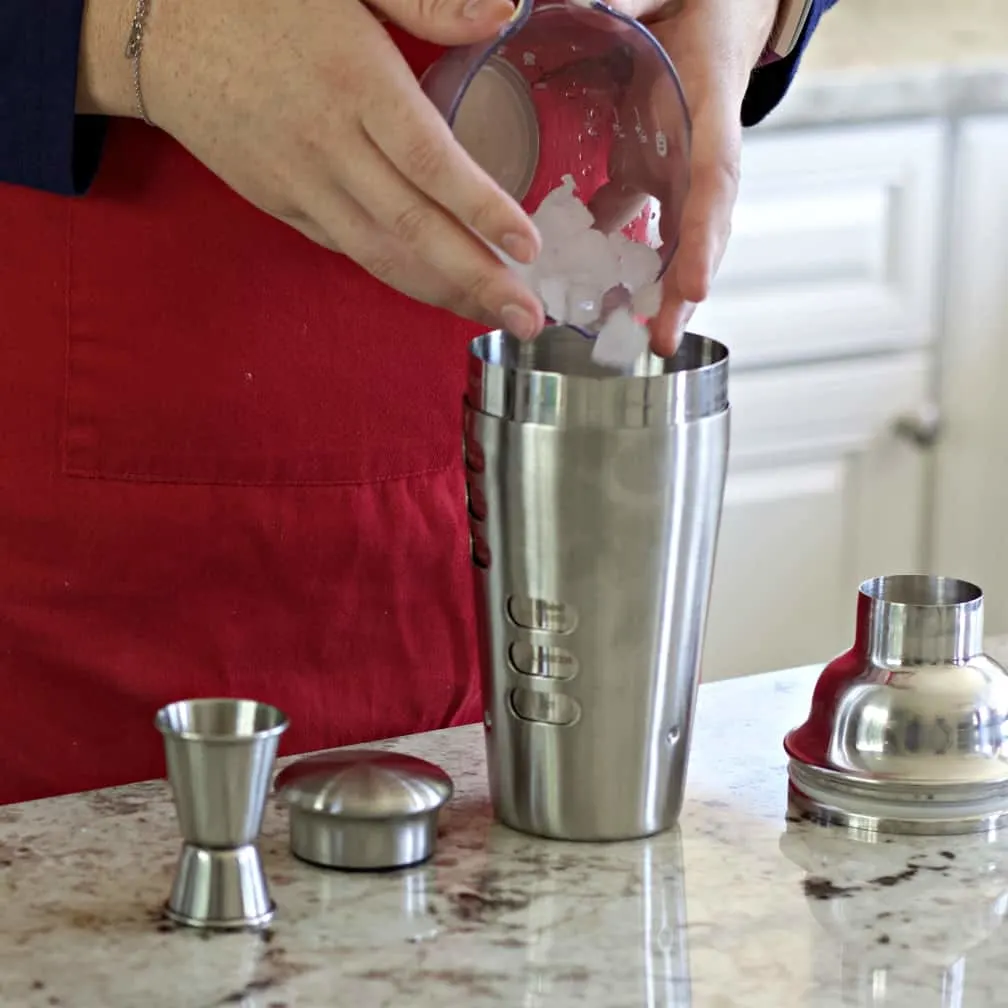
307 109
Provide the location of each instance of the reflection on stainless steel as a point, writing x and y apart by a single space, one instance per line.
602 500
650 917
220 755
903 921
907 731
363 809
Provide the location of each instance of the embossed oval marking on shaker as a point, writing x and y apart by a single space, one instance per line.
474 458
541 614
544 708
472 450
475 501
479 549
542 660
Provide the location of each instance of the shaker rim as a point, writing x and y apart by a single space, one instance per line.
905 591
672 367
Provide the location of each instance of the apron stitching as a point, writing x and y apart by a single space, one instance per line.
63 447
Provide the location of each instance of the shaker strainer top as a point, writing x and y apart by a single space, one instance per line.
906 731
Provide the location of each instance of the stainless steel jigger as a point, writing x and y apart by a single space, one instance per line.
220 756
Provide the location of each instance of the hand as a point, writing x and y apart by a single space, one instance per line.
714 45
307 109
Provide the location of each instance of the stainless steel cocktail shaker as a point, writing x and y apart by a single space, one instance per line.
595 500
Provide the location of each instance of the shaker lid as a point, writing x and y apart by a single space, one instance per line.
364 784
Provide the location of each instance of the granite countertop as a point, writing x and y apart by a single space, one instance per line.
884 59
738 907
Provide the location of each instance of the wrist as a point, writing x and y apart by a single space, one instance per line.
104 75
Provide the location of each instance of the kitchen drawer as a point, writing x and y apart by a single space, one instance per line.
826 409
835 245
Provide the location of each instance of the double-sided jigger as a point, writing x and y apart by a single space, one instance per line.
220 756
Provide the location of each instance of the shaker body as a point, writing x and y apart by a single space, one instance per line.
595 502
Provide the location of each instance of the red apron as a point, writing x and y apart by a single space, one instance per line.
229 465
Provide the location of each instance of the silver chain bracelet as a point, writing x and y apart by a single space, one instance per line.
134 52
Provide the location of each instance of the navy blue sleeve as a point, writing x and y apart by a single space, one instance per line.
43 144
770 83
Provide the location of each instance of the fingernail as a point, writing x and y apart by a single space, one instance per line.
687 313
488 10
683 315
518 322
519 247
667 328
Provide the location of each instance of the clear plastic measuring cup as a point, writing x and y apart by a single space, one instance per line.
577 91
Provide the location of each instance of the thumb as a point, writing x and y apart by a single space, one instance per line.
447 22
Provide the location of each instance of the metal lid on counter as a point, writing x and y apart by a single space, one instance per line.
363 809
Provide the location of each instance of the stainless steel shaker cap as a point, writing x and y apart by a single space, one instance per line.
363 809
907 731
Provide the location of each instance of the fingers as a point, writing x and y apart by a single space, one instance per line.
427 232
447 22
668 326
707 212
419 143
386 259
706 218
420 186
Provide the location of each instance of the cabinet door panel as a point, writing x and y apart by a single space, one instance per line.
777 592
822 492
834 246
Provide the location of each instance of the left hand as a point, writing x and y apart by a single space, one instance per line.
714 44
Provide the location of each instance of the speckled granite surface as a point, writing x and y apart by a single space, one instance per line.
737 908
880 59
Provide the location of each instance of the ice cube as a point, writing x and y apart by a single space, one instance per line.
584 305
561 214
639 264
646 301
553 291
587 259
621 340
580 268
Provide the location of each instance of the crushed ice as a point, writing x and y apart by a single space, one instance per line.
585 277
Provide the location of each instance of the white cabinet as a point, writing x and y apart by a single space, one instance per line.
827 299
834 245
822 492
866 285
971 465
